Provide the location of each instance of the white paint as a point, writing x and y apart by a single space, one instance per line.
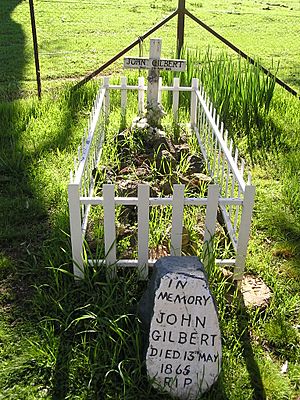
154 64
123 95
177 220
109 228
175 98
75 229
141 94
143 229
184 353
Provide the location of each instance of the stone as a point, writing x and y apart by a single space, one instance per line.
196 164
181 151
255 292
165 162
183 341
127 187
195 179
166 188
157 252
154 114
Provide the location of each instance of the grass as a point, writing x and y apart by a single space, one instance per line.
61 341
84 341
74 38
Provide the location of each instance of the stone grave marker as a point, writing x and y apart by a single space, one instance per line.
154 64
183 354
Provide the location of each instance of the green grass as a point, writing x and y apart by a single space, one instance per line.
84 341
59 340
76 37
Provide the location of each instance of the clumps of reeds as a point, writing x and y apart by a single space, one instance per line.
240 92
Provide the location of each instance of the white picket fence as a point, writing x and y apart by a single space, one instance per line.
229 191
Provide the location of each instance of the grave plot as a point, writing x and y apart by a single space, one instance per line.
163 162
140 192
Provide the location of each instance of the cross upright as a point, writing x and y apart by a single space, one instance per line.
154 64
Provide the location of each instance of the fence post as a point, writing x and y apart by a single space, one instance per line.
123 96
210 224
75 230
194 102
110 229
180 26
244 232
106 97
143 229
177 218
35 48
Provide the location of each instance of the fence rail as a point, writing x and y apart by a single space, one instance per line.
229 192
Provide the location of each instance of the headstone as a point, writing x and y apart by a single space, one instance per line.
183 354
154 64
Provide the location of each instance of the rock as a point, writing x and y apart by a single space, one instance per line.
195 180
154 115
165 162
166 188
127 188
157 140
196 164
255 292
181 150
142 160
141 171
140 123
227 274
126 171
183 340
157 252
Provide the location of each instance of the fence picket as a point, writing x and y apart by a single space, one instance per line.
141 95
109 228
175 98
177 219
107 96
194 101
75 229
244 232
123 96
143 229
210 223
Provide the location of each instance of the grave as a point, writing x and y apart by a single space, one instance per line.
183 354
154 64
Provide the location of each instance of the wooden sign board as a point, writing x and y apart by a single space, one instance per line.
161 64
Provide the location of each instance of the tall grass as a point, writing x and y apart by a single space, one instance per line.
239 91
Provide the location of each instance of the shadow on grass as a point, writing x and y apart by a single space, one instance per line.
62 367
248 354
31 220
12 51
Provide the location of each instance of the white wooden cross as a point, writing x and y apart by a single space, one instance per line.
154 64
